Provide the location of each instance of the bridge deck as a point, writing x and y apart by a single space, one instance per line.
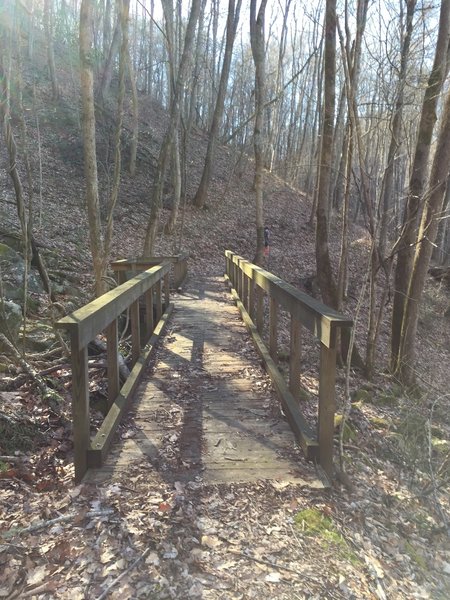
204 409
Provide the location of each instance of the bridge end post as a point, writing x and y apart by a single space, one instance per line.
327 406
80 406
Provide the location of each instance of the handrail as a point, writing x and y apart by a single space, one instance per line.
101 315
249 283
124 265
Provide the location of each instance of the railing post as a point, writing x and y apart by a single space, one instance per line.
80 407
239 280
157 300
135 332
251 299
149 324
259 309
166 290
112 361
327 403
273 329
295 357
245 290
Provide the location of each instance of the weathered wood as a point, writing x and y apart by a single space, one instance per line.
245 286
80 407
251 299
321 320
112 360
295 357
135 332
166 289
296 420
260 310
135 265
157 301
83 326
327 406
273 329
102 441
88 321
149 324
227 430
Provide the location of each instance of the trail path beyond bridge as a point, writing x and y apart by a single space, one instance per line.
205 410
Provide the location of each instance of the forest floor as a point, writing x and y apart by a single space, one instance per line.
385 534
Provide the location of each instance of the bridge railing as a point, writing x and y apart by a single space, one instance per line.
125 267
101 316
250 284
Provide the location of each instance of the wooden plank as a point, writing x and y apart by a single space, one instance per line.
135 332
104 436
88 321
112 361
298 423
327 406
295 357
273 329
80 408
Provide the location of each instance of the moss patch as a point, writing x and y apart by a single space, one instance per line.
314 523
415 556
380 422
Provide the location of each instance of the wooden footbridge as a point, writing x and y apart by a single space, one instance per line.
199 399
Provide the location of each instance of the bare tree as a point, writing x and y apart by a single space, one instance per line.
175 107
48 26
232 23
417 181
258 50
100 241
426 237
324 269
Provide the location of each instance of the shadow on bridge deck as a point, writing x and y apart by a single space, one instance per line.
204 411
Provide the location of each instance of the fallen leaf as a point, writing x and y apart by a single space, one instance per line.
273 577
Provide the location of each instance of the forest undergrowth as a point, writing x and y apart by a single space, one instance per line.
384 533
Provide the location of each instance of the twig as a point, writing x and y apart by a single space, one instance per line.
29 370
51 522
12 459
122 575
41 589
268 563
53 369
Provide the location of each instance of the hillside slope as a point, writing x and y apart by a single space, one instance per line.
394 518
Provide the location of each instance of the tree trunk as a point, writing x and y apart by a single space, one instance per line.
258 51
324 269
232 23
417 182
164 154
90 155
176 175
48 26
135 117
396 125
109 62
424 248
